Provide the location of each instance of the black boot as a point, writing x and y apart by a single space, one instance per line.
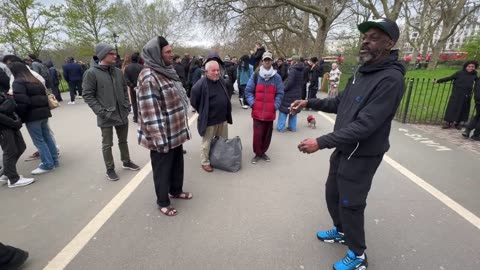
475 137
466 133
446 125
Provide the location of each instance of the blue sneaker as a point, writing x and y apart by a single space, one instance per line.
351 262
331 236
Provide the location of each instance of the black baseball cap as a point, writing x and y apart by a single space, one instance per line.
386 25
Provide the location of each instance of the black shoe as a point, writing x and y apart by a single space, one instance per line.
266 158
184 152
112 175
458 127
446 125
475 137
129 165
19 258
466 133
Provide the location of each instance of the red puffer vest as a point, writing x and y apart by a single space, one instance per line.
264 106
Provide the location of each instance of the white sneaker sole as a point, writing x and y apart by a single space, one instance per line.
20 185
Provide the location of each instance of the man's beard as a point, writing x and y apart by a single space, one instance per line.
369 56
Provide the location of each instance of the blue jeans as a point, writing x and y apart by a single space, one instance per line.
42 139
282 119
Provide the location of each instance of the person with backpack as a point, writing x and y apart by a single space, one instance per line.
264 93
55 79
39 67
244 71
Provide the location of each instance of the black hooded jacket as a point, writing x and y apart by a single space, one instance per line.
8 118
365 109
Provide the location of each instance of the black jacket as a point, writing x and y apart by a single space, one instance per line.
131 74
258 56
32 101
365 109
293 87
8 118
199 101
283 71
180 69
4 81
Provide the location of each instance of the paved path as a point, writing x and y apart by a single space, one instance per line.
263 217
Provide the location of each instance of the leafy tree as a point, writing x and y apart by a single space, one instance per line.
88 20
473 48
28 25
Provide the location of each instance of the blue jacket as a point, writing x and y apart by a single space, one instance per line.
243 76
293 87
72 72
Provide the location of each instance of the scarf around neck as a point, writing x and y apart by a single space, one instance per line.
267 74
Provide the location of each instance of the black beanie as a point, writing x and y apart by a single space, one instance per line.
162 42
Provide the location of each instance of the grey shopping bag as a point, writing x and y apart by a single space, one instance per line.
226 154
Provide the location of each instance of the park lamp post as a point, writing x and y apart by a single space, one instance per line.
115 41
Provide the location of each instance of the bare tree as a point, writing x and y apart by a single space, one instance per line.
29 25
453 12
137 21
421 18
385 8
277 21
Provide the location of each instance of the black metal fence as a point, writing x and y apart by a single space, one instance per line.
425 102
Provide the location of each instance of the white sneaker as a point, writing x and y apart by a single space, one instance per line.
21 182
40 171
245 107
79 97
3 179
71 103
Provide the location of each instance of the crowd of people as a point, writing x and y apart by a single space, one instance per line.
161 87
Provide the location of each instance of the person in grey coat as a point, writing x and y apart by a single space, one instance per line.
105 91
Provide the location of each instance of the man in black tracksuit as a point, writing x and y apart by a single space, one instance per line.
364 111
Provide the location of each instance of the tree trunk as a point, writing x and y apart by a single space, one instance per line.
319 45
304 38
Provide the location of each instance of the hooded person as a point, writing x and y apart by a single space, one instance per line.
105 92
163 121
365 110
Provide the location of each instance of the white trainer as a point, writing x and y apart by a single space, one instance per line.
71 103
40 171
21 182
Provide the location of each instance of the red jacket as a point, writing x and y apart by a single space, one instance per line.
267 97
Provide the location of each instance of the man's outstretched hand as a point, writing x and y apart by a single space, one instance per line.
297 106
308 146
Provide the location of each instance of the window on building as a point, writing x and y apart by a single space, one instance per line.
414 35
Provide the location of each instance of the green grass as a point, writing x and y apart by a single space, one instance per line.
427 100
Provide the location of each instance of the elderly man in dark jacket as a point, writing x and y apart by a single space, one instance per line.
211 100
365 110
105 91
292 92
